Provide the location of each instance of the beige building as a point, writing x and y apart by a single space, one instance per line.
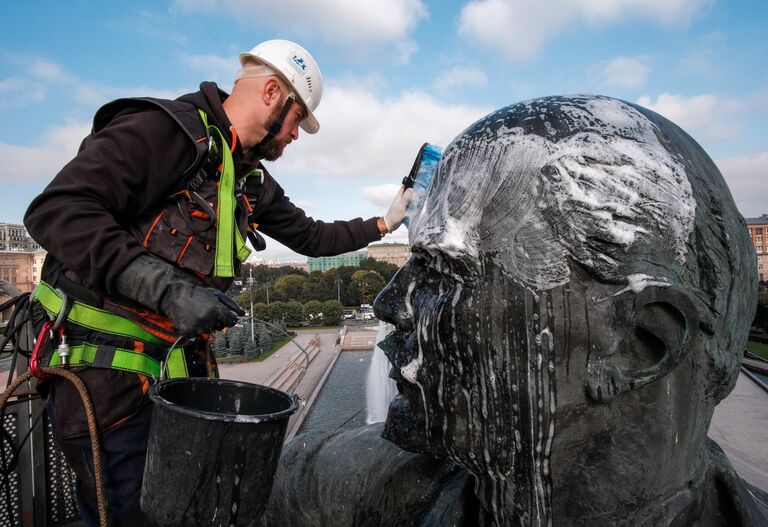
394 253
21 269
301 266
758 230
14 237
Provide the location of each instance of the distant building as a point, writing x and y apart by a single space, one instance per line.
758 230
14 237
21 268
324 263
7 291
301 266
394 253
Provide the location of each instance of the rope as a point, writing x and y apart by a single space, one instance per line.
92 426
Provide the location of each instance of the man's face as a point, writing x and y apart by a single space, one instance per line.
459 344
520 268
289 132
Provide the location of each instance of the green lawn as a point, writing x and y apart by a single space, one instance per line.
758 348
276 345
311 328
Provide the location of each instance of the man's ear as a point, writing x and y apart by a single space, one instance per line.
664 325
271 92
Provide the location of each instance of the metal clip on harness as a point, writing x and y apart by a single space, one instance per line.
48 333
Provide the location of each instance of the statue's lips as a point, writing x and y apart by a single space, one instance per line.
400 349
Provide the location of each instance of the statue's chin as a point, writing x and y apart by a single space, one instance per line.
405 425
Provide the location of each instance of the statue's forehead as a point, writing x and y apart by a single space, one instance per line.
533 183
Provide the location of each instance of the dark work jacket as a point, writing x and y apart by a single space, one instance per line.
120 175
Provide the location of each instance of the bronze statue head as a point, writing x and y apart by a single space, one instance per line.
577 302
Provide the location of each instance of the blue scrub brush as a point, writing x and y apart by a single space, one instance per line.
424 167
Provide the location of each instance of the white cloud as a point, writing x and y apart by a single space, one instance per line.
33 80
358 26
365 137
626 72
460 76
704 116
16 92
380 196
518 29
40 76
50 72
220 69
93 96
745 176
152 24
27 164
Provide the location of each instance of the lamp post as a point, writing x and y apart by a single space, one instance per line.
250 296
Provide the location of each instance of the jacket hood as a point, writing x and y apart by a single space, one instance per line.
210 99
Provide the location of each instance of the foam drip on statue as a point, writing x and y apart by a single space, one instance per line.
576 303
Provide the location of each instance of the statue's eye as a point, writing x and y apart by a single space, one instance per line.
444 267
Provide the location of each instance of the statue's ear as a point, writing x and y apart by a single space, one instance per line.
662 333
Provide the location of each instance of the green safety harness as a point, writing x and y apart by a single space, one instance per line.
229 242
101 356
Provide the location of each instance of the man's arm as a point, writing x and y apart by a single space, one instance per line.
280 219
119 174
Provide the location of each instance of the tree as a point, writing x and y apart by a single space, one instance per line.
344 274
276 311
385 269
289 287
313 311
294 313
364 286
263 338
263 274
236 340
320 286
260 311
251 349
332 312
220 344
254 291
761 315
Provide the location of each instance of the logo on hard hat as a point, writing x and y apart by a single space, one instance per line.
299 62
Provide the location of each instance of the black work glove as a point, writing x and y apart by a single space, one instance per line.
160 287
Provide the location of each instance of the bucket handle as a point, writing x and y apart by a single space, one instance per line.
164 364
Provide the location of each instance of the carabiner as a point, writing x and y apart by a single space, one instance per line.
63 312
46 334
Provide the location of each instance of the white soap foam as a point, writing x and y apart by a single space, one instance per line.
535 201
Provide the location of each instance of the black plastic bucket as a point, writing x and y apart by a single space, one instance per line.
213 450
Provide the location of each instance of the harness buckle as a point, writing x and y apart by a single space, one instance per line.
63 350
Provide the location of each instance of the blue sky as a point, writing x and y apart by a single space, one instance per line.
397 73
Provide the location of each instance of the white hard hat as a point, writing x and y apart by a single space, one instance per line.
296 66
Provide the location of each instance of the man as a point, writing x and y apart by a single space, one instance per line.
145 229
577 303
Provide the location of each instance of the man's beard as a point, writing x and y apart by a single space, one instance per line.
271 149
